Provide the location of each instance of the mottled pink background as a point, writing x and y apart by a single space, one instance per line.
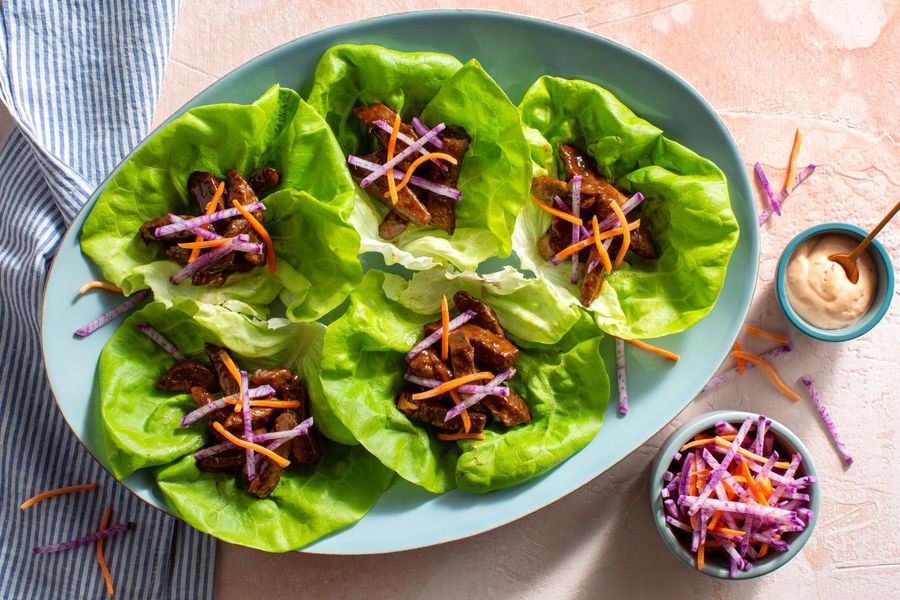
767 66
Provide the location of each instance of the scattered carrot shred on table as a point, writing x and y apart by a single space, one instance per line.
100 285
392 144
451 437
654 349
57 492
792 161
771 371
762 333
210 209
101 558
259 229
741 364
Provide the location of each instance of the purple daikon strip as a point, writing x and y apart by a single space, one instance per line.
213 450
685 475
728 374
620 376
668 476
206 234
437 188
108 316
84 541
186 224
737 487
782 487
435 337
475 398
767 467
160 339
796 496
382 124
595 261
463 389
826 418
767 188
301 429
737 559
263 391
800 178
671 509
679 524
740 508
611 221
725 428
208 258
382 170
561 204
749 524
248 425
422 129
576 231
196 415
762 424
716 476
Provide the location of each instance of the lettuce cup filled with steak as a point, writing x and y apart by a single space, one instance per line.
233 205
622 221
222 409
464 381
436 149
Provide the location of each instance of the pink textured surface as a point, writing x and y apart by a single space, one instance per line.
767 66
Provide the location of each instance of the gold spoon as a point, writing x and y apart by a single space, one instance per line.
848 261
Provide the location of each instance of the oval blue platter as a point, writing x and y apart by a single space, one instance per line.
515 50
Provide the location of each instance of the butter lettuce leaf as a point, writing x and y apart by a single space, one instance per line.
687 210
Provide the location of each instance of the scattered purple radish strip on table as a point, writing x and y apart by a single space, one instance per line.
767 188
800 178
724 376
826 418
86 540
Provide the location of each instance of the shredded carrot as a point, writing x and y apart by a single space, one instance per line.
236 374
282 462
702 436
741 363
57 492
445 328
204 244
404 404
392 144
415 165
792 162
701 556
101 559
723 443
713 544
766 484
726 531
729 491
210 209
715 519
452 385
604 255
100 285
662 352
705 441
768 368
766 334
258 228
274 404
591 240
626 234
763 550
739 478
452 437
464 415
751 483
558 213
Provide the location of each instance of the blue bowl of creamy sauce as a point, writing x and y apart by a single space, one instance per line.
817 296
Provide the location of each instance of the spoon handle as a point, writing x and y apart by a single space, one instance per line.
863 244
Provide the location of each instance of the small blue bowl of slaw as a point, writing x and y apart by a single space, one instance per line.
880 303
785 441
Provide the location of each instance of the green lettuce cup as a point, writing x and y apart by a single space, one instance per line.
560 374
306 215
687 210
495 172
141 429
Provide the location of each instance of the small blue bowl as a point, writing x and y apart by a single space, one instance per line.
883 295
715 566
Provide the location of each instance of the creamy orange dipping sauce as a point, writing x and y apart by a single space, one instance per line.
819 290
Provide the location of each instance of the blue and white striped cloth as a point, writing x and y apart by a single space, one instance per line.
80 78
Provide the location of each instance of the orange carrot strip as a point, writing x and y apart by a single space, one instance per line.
445 328
729 491
404 404
452 385
792 161
210 209
392 144
662 352
768 369
236 374
57 492
713 544
722 442
101 559
726 531
751 483
704 442
766 334
701 556
763 550
275 403
558 213
626 234
282 462
258 228
204 244
591 240
100 285
604 255
741 363
766 485
452 437
715 520
415 165
702 436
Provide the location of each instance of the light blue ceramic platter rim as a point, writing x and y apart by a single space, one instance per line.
408 517
786 439
883 296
